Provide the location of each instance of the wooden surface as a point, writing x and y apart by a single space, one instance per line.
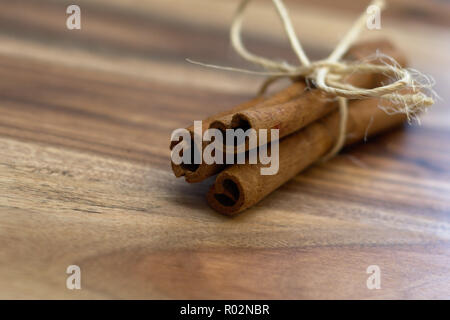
86 117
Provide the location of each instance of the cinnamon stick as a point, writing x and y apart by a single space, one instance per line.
299 112
241 186
191 171
199 172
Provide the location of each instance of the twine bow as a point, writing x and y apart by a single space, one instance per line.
328 75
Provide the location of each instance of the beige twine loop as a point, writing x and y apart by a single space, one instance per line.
328 75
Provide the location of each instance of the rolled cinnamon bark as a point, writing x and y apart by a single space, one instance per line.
193 172
299 112
199 172
241 186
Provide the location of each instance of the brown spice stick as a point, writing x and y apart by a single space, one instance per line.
199 172
241 186
313 104
189 170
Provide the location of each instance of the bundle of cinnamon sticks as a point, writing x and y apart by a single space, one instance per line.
308 123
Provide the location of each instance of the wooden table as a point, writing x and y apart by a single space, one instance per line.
86 117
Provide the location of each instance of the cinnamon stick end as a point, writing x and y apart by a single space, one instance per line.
226 195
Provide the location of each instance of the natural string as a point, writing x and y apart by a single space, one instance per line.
328 74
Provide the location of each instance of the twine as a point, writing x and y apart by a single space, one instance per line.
406 89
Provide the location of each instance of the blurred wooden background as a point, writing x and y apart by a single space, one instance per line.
85 121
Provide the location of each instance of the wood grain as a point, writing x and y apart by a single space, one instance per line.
85 123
